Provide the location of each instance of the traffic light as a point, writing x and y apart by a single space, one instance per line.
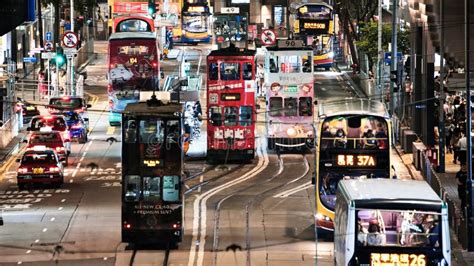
394 78
151 7
60 59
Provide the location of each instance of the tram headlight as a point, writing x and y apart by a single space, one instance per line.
309 133
136 93
331 54
320 216
291 132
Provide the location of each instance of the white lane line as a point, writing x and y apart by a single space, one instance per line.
201 179
289 192
28 251
63 200
200 208
52 219
44 230
60 208
76 169
37 241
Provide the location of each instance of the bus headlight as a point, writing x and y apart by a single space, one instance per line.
320 216
291 132
136 93
331 54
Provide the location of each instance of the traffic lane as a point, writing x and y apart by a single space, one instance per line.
239 221
330 86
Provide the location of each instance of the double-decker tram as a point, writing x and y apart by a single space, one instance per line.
195 22
152 163
133 66
353 142
231 104
390 222
314 23
289 86
129 15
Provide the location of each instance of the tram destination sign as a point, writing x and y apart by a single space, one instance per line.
290 44
355 160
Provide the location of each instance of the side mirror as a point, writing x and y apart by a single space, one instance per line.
67 140
62 160
28 129
315 102
86 119
89 105
1 221
25 141
257 106
18 160
313 180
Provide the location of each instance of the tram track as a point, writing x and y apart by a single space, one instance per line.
205 182
249 205
141 256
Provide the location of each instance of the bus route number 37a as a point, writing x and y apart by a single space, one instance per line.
379 259
348 160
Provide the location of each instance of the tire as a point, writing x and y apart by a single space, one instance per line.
65 161
21 186
83 138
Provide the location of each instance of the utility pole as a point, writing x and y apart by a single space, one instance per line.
441 127
379 50
71 58
470 183
394 58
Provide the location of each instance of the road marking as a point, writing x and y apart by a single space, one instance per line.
60 208
201 179
294 190
28 251
200 208
63 200
44 230
77 169
110 130
52 219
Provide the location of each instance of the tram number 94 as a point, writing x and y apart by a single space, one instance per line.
379 259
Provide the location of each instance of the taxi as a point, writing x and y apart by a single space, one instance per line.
49 139
29 111
45 123
69 103
78 126
40 165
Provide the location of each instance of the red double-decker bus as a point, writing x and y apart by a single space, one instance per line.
231 104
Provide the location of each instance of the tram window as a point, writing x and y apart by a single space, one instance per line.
276 105
171 188
305 107
245 113
273 65
289 64
247 71
291 107
131 131
213 71
132 185
151 131
230 71
230 116
215 113
307 64
172 134
151 188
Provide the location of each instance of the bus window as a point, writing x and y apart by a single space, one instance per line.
291 107
132 185
151 188
133 50
131 131
215 113
245 113
171 188
305 107
151 131
230 71
230 116
276 106
247 71
290 64
213 71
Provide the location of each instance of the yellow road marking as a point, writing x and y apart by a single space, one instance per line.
110 130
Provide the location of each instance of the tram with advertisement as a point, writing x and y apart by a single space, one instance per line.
314 24
133 66
195 22
353 142
133 23
231 104
289 89
390 222
152 176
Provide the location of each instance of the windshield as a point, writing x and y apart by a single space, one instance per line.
398 228
133 25
57 123
45 137
195 23
166 188
72 103
39 158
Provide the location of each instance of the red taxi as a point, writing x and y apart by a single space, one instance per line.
45 123
40 165
50 139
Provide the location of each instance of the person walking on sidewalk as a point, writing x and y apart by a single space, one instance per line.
461 177
462 144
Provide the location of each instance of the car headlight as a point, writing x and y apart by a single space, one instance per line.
136 93
291 132
331 54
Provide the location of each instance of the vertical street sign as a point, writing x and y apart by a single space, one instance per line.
49 36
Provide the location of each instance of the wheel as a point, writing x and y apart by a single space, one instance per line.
83 138
21 186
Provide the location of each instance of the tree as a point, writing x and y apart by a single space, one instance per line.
353 13
369 37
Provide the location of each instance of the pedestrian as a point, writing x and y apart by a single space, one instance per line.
260 79
449 131
462 143
461 177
